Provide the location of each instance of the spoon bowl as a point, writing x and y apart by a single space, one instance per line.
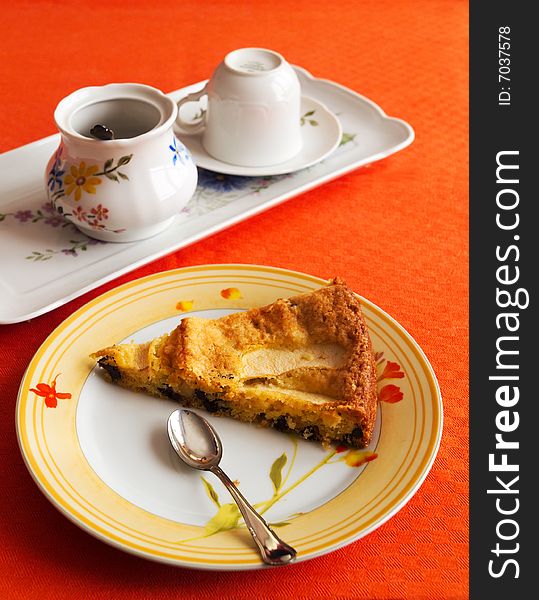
196 442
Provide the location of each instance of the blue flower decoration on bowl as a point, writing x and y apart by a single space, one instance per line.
55 174
179 152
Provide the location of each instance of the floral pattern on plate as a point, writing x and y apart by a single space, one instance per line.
144 500
227 515
49 393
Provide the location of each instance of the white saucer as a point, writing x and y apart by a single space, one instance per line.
321 132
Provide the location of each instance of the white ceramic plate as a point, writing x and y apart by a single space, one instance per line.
102 457
44 264
321 133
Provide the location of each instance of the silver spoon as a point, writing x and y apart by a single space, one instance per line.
198 445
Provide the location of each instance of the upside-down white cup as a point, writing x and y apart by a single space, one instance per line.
253 112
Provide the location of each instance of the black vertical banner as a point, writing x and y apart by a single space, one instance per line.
504 268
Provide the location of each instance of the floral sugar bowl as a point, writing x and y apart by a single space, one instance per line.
119 173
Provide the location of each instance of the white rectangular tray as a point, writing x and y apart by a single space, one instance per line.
45 262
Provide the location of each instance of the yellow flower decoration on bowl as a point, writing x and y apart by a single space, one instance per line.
81 179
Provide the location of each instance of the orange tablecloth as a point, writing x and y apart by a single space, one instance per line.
396 231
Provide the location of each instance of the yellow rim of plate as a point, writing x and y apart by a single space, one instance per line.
50 448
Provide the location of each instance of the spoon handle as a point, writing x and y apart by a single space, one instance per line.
273 550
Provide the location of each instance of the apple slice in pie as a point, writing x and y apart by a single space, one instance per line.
303 364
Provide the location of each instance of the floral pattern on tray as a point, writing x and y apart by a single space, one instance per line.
38 254
214 190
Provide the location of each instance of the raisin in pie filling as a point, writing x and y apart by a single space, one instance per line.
304 364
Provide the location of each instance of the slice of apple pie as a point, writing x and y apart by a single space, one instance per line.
302 364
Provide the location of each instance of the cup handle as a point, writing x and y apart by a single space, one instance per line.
189 127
